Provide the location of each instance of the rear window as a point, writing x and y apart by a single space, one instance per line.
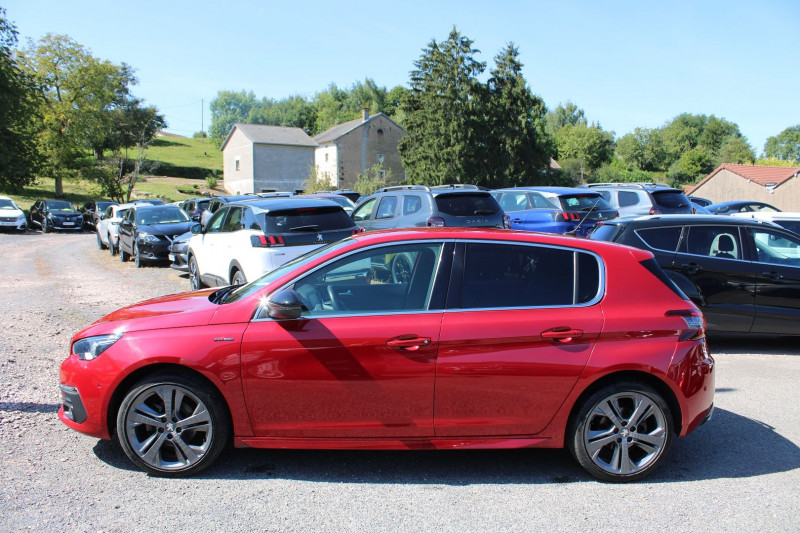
307 219
671 199
467 204
583 203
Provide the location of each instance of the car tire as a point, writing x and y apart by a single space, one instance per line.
194 275
137 256
238 278
112 250
123 255
169 440
622 432
100 244
45 226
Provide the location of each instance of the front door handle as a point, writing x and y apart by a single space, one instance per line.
408 342
562 334
774 276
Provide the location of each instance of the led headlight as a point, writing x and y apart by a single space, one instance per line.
90 347
146 237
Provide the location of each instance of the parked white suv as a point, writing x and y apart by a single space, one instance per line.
11 215
244 240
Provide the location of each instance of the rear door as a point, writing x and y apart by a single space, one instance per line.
517 332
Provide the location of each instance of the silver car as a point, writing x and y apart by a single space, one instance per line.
108 227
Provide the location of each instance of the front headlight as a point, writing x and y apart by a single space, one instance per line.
21 218
146 237
90 347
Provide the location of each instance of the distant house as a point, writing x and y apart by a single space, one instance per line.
352 148
778 186
266 158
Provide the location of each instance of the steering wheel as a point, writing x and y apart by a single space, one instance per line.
336 303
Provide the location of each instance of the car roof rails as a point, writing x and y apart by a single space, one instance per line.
455 186
637 184
404 188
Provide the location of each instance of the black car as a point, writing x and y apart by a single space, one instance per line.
55 215
92 210
741 206
147 231
744 274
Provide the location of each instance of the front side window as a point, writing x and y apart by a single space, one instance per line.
386 279
505 275
364 211
215 224
233 222
776 248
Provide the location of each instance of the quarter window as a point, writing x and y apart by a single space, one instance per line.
627 198
661 238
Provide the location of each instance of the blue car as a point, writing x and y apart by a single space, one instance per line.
563 210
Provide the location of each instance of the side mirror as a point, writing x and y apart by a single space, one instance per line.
285 304
102 216
196 229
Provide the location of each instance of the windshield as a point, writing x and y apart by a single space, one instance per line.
7 204
168 214
59 206
243 291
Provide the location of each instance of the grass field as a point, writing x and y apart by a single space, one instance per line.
175 151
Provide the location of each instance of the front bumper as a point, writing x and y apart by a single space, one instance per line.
72 405
13 224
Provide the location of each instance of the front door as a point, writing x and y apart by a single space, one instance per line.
777 283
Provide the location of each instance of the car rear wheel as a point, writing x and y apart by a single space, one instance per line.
172 425
238 278
100 244
138 256
112 250
621 432
123 255
194 274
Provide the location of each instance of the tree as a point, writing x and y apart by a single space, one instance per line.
511 139
565 115
77 94
785 145
642 150
19 158
589 144
736 150
228 108
692 165
440 113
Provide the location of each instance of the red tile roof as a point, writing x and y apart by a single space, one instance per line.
757 174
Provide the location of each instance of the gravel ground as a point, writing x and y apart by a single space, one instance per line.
740 472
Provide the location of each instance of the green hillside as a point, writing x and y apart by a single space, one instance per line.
186 157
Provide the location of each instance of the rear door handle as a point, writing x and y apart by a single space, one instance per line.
562 334
774 276
691 268
408 342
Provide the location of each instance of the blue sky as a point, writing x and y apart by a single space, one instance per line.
628 64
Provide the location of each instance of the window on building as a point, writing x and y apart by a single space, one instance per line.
236 163
380 159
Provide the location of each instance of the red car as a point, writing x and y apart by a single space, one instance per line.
429 338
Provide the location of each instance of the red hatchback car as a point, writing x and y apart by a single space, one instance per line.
430 338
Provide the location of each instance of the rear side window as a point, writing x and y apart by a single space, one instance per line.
411 204
305 220
466 204
628 198
503 275
713 241
386 207
661 238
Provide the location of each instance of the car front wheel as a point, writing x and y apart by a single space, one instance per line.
621 432
45 226
112 250
194 275
172 425
123 255
100 244
137 254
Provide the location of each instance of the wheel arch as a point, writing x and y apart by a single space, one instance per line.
159 368
628 375
233 267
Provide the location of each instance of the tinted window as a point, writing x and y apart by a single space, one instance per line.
628 198
713 241
305 219
661 238
466 204
605 232
791 225
249 220
384 279
503 275
168 214
671 199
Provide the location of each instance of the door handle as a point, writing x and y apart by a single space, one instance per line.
562 334
408 342
774 276
691 268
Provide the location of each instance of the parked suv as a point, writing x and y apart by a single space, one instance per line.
55 215
92 211
11 215
743 274
407 206
244 240
644 198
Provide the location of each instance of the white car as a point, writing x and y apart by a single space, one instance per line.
11 216
244 240
786 219
108 227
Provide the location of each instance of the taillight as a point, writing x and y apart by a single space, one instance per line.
654 211
436 222
566 217
265 241
695 323
506 222
357 231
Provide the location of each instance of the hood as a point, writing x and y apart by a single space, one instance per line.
176 310
176 228
15 213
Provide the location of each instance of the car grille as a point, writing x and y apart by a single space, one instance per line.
7 219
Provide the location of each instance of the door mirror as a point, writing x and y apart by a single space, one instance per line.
285 304
196 229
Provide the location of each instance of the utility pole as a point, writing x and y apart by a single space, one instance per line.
202 124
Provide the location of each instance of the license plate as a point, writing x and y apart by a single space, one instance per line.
69 223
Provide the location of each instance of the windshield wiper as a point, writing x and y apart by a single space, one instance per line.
310 227
221 295
483 212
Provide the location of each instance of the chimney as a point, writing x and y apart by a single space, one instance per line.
364 114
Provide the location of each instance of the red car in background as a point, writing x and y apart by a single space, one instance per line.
429 338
